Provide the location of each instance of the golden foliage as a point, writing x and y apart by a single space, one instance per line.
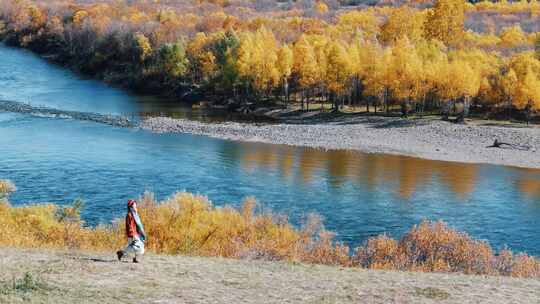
406 71
513 37
522 81
184 224
79 17
339 68
445 22
364 21
305 62
321 7
398 55
257 59
403 22
38 226
285 61
143 46
433 247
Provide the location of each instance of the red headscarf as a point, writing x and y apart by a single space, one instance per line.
131 203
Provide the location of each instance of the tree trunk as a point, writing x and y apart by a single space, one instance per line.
302 98
446 109
405 108
367 104
307 99
509 108
528 110
386 101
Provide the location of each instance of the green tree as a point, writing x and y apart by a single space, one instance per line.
225 50
172 60
223 47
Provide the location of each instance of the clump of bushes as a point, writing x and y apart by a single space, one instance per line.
189 224
39 226
434 247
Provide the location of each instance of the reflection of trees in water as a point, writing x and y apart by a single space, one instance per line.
529 187
337 166
405 174
412 172
286 162
461 178
258 157
529 182
308 160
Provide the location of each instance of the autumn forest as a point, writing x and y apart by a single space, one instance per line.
443 57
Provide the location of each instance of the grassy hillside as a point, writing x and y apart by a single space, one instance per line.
31 276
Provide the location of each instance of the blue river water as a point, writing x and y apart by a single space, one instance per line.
55 159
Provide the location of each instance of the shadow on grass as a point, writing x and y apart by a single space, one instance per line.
94 260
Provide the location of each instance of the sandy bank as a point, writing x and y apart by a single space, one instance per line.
96 278
424 138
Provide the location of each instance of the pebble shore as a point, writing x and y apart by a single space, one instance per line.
424 138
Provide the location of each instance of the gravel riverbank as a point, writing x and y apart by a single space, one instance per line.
424 138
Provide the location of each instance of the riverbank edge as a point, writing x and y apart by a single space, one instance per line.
427 148
425 138
72 276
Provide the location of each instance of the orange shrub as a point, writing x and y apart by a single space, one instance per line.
189 224
433 247
378 253
38 226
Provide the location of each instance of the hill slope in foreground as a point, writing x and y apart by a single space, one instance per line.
31 276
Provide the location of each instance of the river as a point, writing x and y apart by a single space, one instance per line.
54 158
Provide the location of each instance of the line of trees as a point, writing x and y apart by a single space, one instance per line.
382 58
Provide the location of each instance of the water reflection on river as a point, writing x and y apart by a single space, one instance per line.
405 174
359 195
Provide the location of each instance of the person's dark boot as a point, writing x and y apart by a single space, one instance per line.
119 254
135 260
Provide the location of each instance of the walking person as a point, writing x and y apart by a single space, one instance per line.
134 233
